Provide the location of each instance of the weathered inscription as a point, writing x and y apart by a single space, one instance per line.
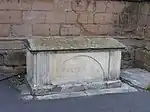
80 67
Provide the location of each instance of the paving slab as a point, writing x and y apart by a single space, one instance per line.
137 77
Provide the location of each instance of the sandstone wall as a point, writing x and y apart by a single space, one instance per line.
27 18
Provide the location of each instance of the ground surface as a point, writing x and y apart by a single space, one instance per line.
128 102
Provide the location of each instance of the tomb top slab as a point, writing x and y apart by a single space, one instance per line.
80 43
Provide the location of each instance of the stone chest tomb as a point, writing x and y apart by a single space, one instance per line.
62 64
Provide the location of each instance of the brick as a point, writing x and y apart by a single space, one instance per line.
71 17
41 30
22 30
148 19
74 30
54 29
92 28
115 7
132 8
86 18
100 6
79 6
4 29
69 30
83 18
103 18
141 31
15 5
14 58
106 29
26 4
42 5
55 17
144 8
91 7
34 17
10 17
64 31
143 20
133 19
62 5
115 19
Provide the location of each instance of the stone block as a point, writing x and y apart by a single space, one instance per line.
4 30
91 8
132 8
71 17
69 29
41 30
147 32
143 56
128 54
127 64
74 30
62 5
14 58
86 18
143 20
140 55
11 17
55 17
7 72
15 5
54 29
79 6
93 28
107 29
101 6
1 59
103 18
148 46
42 5
11 45
33 17
133 43
115 7
144 8
22 30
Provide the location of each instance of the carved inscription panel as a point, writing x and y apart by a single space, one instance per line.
76 67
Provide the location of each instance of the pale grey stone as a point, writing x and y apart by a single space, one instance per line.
56 72
27 97
73 43
113 84
148 46
123 89
137 77
24 89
